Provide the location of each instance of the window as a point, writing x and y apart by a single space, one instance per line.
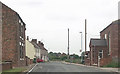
101 53
21 24
21 50
22 44
19 21
105 36
109 44
19 43
22 38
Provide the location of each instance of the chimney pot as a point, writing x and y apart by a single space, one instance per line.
34 40
28 38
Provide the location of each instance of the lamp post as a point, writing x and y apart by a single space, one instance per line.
81 41
68 43
85 35
81 47
85 39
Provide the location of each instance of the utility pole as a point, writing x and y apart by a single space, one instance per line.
85 39
68 43
85 34
81 47
81 41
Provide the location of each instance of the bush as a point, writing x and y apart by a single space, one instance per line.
113 65
34 60
67 60
74 61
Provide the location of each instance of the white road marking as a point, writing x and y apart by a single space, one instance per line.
31 69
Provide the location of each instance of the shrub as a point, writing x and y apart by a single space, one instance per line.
113 65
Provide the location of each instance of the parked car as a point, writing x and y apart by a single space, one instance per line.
40 60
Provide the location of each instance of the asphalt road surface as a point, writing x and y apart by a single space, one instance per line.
63 67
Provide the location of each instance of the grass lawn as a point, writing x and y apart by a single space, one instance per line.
14 71
78 61
113 65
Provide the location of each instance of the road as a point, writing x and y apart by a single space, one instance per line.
63 67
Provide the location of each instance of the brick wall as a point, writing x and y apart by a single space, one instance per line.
112 30
28 61
94 54
6 66
119 41
11 37
87 61
105 61
0 32
31 61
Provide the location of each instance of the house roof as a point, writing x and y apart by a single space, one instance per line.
35 45
113 23
41 45
98 42
14 12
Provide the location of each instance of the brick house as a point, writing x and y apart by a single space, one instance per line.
105 50
44 51
112 35
87 58
98 50
13 37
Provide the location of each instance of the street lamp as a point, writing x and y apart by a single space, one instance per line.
68 43
81 41
81 47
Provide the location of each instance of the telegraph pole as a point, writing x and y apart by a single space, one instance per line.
81 41
68 43
85 34
85 39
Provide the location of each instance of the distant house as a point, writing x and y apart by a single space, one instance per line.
44 51
37 49
12 36
30 51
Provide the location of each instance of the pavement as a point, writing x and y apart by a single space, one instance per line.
106 69
112 69
28 68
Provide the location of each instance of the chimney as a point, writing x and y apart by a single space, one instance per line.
42 44
39 42
28 38
34 40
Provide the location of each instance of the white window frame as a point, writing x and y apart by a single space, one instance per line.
109 44
21 24
101 53
19 21
21 58
105 36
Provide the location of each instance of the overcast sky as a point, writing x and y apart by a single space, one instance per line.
48 20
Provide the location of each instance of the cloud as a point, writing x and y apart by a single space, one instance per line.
55 16
63 18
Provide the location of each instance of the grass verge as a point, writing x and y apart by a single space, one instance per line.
113 65
14 71
78 61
